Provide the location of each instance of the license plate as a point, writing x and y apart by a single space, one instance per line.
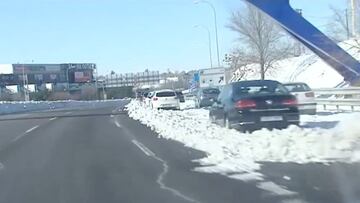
271 118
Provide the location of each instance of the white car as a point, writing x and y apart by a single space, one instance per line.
304 95
165 99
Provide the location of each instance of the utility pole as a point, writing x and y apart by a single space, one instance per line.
353 17
215 25
26 96
299 46
347 23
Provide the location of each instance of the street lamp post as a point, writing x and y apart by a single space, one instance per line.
209 38
67 78
216 29
26 96
96 82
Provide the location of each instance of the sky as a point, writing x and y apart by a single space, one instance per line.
125 35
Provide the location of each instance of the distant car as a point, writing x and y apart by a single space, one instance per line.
206 96
305 97
180 95
165 99
147 99
255 104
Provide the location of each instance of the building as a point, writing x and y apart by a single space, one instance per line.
60 76
149 78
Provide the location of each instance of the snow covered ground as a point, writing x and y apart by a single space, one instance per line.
240 155
308 68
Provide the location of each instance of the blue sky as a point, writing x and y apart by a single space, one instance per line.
123 35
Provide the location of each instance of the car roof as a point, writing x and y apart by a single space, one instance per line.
165 90
295 83
209 88
254 82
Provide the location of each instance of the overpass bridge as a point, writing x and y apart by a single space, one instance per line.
311 37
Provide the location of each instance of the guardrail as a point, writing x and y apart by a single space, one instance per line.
337 97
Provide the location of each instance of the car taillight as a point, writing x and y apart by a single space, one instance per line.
155 98
290 102
309 94
244 104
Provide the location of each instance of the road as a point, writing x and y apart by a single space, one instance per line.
101 155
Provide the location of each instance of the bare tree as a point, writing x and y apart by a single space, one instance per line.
264 42
238 64
338 26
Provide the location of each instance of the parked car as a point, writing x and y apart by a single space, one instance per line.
165 99
180 95
255 104
206 96
305 97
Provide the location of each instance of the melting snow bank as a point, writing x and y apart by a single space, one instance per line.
239 155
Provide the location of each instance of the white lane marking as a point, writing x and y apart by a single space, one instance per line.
293 201
161 177
144 149
286 177
117 123
275 188
26 132
1 166
51 119
31 129
111 116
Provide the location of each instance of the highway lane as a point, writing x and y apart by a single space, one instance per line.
93 159
101 155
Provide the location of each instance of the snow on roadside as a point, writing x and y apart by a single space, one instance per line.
239 155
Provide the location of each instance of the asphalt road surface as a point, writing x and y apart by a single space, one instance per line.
101 155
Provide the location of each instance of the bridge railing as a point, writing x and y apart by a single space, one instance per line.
338 97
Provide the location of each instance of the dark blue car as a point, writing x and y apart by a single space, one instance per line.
252 105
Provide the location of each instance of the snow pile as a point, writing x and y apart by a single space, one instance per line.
188 104
308 68
7 107
239 155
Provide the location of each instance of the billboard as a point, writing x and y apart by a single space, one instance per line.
36 68
83 76
9 79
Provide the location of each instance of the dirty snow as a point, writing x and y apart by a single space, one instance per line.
239 155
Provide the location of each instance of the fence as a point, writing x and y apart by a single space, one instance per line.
338 97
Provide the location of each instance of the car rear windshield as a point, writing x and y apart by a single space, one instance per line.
259 89
297 87
211 91
166 94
